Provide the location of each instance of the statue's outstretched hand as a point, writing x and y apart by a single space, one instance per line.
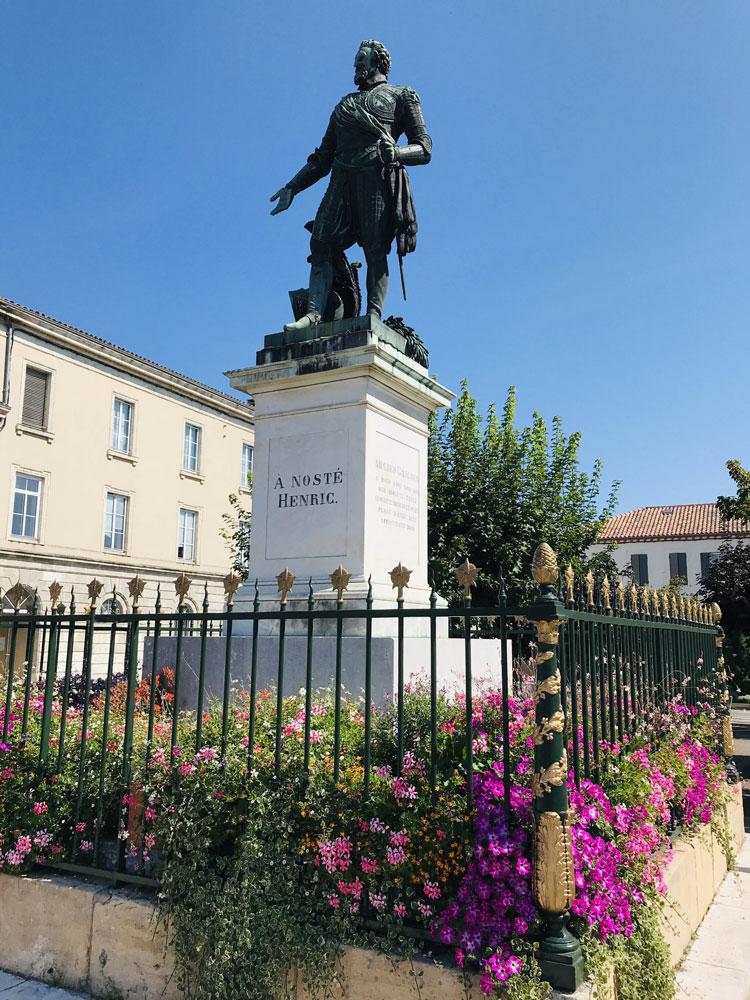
284 197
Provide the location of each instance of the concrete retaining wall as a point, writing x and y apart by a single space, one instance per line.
109 943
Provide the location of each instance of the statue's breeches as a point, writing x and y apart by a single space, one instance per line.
356 208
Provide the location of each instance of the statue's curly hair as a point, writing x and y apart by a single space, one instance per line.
382 53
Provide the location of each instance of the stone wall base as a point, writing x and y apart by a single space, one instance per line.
109 943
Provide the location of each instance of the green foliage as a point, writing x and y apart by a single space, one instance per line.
737 506
236 532
728 583
244 919
642 965
496 491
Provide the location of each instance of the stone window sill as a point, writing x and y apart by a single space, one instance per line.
34 432
196 476
24 540
121 456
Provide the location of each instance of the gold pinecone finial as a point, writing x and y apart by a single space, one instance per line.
544 565
716 613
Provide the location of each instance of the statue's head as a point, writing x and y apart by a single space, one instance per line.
372 60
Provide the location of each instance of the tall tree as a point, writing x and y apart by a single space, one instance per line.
495 491
727 582
737 506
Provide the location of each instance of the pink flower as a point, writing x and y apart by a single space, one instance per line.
399 910
39 808
80 827
431 890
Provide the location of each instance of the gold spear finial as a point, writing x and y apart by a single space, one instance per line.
181 587
285 582
340 581
136 586
467 574
55 589
589 581
621 597
94 588
606 594
400 579
634 599
232 583
570 579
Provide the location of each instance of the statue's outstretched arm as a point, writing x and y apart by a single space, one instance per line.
318 165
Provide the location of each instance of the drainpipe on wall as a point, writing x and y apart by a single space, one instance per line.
5 399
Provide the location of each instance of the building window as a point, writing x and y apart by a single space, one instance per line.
191 448
678 567
186 534
35 410
115 522
27 506
112 606
640 569
706 559
122 422
247 464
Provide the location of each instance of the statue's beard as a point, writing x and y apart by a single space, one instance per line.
364 76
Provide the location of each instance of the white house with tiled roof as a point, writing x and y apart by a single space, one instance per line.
661 544
111 466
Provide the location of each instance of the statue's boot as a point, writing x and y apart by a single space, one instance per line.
377 283
321 280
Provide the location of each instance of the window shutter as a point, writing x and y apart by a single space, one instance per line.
682 565
705 562
34 412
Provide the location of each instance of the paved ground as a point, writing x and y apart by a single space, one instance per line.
13 988
717 967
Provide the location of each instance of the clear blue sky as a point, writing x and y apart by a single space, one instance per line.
584 223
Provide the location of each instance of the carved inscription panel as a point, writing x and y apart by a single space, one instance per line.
397 499
307 496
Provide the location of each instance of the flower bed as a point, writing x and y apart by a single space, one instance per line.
262 870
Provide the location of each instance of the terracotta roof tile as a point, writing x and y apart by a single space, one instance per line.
682 520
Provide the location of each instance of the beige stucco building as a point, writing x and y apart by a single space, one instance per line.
111 465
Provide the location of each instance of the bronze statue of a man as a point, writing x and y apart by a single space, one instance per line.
368 200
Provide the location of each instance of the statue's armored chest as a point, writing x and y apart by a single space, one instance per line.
381 102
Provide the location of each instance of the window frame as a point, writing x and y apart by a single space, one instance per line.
15 473
198 451
127 497
113 450
243 474
45 432
184 508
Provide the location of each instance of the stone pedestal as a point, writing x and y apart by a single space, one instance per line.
340 478
340 466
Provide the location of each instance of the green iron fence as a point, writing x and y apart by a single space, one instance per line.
596 660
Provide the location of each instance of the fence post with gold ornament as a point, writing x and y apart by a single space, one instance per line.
727 737
560 956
